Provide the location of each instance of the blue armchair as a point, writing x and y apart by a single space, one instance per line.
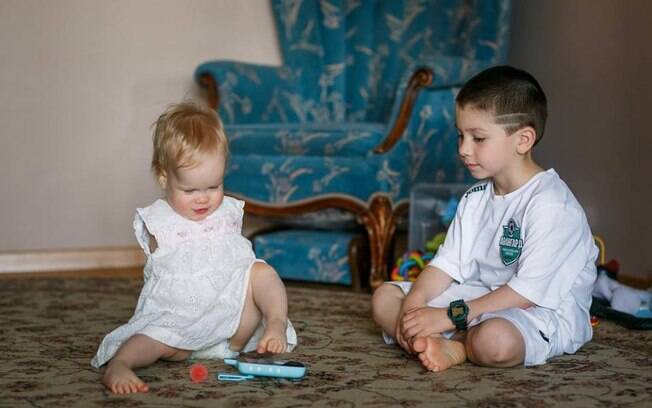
362 108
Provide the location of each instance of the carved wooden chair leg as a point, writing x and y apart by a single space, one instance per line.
380 223
359 263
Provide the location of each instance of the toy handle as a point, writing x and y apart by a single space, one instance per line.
233 377
231 361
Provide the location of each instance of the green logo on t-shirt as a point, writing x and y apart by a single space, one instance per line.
510 243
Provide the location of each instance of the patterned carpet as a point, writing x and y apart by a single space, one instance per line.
50 329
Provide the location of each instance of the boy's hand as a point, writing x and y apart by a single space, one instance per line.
400 340
409 304
425 321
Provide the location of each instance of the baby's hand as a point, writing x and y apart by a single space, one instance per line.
425 321
274 339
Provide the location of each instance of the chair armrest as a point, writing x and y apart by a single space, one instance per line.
244 92
432 73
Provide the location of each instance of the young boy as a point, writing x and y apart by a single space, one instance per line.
512 283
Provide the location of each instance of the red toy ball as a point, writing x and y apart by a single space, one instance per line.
198 373
594 321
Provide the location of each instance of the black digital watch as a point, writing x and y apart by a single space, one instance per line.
458 312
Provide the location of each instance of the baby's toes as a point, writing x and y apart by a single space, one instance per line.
132 388
128 388
279 346
264 346
120 388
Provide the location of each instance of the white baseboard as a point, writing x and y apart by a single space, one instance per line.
71 260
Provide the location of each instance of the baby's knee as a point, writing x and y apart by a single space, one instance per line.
493 344
262 269
174 354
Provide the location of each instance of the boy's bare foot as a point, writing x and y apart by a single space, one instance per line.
438 353
120 379
274 339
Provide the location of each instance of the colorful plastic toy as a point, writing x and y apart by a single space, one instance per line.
410 265
198 373
436 241
251 368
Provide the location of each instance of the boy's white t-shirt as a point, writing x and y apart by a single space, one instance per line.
535 239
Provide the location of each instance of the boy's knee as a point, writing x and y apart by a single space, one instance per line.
379 296
381 299
493 343
377 301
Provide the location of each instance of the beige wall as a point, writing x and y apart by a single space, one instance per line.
81 81
594 59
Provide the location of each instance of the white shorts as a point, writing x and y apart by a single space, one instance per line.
538 326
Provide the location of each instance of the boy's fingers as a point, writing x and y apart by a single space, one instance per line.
411 311
409 321
408 325
418 332
410 330
398 336
409 333
402 341
407 317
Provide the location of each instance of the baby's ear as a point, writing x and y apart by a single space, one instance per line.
527 136
163 179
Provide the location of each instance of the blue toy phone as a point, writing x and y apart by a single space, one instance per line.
250 368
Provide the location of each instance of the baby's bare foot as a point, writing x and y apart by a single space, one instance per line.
274 339
438 353
120 379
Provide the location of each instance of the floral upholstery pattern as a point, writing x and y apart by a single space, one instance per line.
315 256
308 130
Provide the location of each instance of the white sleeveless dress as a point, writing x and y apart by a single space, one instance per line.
195 283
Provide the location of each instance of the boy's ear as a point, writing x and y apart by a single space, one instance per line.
526 139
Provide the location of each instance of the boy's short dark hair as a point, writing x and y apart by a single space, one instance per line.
513 96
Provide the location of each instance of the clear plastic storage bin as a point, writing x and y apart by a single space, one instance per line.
432 208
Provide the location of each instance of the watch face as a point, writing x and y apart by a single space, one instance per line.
457 311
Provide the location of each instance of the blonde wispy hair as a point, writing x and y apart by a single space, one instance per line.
182 132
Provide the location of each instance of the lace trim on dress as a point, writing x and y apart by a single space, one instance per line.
170 228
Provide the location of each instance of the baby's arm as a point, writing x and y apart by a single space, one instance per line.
153 245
